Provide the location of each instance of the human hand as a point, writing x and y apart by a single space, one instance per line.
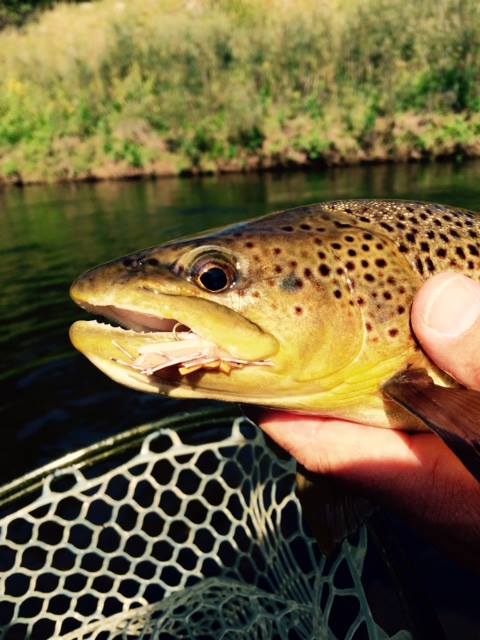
415 475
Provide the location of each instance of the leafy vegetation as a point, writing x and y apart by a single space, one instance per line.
116 88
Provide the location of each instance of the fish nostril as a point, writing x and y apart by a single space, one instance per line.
133 263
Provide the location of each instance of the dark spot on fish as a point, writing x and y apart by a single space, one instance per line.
460 253
391 280
305 227
410 237
287 228
472 234
369 277
293 263
278 268
441 252
424 246
336 245
249 245
393 332
368 326
402 248
153 262
364 263
321 255
298 311
337 293
368 236
364 219
386 226
365 247
471 264
321 229
256 294
291 283
454 233
430 234
473 250
307 273
430 265
349 239
379 246
360 301
339 271
342 225
400 310
277 251
352 252
419 264
381 263
387 295
350 266
324 269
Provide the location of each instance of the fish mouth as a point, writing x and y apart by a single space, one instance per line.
158 345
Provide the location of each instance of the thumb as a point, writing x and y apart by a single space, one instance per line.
446 320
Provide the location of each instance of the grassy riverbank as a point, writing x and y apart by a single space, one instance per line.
115 88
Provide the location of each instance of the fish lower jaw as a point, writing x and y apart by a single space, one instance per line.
150 355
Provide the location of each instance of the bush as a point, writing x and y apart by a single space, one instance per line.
210 85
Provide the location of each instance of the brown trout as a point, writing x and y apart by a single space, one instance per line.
305 310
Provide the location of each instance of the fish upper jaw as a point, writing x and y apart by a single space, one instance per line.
141 308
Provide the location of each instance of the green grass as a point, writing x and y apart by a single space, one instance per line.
116 88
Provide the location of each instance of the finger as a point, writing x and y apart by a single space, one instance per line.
446 320
330 445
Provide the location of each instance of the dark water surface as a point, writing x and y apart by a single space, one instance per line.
52 400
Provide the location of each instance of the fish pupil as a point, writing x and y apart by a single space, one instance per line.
214 279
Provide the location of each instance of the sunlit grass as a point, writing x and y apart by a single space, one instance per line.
115 88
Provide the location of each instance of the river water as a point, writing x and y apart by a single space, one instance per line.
52 400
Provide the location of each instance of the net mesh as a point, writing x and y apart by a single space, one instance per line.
166 533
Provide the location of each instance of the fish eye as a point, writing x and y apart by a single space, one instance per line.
211 268
215 276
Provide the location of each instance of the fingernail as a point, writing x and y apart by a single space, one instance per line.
454 306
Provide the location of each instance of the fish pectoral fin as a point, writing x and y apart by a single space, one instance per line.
452 414
330 513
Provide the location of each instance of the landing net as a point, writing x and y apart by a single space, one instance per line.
186 528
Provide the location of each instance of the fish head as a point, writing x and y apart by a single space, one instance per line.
265 312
